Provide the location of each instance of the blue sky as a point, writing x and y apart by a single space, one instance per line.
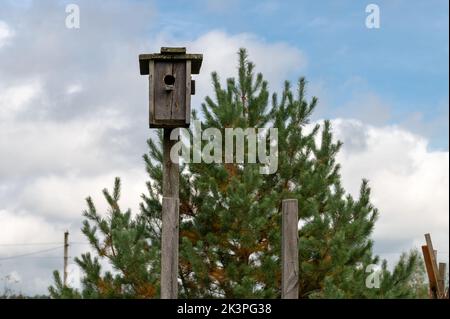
405 61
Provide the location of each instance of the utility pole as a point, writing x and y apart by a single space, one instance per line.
66 256
289 250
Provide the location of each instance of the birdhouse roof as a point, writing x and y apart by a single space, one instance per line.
171 54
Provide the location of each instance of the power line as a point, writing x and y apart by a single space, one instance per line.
42 244
39 257
32 253
32 244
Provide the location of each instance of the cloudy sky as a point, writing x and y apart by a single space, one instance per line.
73 107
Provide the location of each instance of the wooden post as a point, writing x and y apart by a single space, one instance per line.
170 222
66 256
289 250
431 276
434 265
170 108
437 289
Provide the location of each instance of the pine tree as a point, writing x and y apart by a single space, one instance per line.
230 214
120 240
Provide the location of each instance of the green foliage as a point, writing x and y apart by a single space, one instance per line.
406 280
120 240
60 291
230 214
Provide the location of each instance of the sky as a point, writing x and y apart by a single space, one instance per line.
73 107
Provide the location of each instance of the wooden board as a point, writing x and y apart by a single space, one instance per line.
169 248
188 92
163 99
179 92
170 105
151 99
429 268
170 222
196 60
433 263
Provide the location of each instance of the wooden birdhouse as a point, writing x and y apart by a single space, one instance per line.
170 85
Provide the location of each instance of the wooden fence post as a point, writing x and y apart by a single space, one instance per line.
289 250
170 222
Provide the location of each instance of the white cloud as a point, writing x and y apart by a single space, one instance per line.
6 33
63 196
31 248
276 61
46 147
410 183
22 227
17 99
368 108
74 88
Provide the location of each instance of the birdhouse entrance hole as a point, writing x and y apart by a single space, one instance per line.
169 81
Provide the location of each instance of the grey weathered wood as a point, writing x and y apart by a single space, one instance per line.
173 50
169 103
178 100
169 248
66 256
151 90
188 92
171 174
163 99
289 250
170 222
172 56
442 275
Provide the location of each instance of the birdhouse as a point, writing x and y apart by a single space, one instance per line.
170 85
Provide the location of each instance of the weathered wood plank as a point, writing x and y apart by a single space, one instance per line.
173 50
434 265
163 98
179 93
169 248
289 250
170 222
430 273
188 93
171 174
195 58
151 96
